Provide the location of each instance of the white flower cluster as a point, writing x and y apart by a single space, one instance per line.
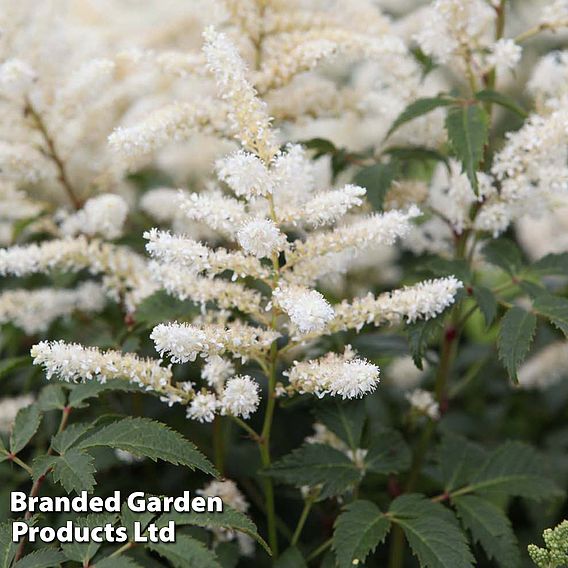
35 310
423 402
546 368
73 363
337 375
9 408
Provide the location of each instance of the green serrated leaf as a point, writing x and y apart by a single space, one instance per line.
74 470
147 438
62 441
128 518
490 527
344 419
432 532
505 101
438 266
515 337
43 558
7 547
467 127
487 303
25 426
555 309
419 108
387 453
420 153
321 146
91 389
420 333
228 519
315 464
514 469
291 558
13 363
117 562
551 265
376 179
459 460
52 397
357 532
505 254
83 552
186 552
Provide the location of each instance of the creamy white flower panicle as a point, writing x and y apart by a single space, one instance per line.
103 215
184 342
248 113
423 402
35 310
72 363
173 123
337 375
308 309
324 208
380 228
203 407
402 373
424 300
261 238
9 408
16 78
240 397
505 54
216 371
218 211
545 368
245 174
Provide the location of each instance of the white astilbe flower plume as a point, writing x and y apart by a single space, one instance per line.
202 407
423 402
248 113
424 300
35 310
261 238
240 397
216 371
337 375
103 215
9 408
308 309
245 174
72 363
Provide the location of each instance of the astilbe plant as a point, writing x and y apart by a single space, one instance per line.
280 278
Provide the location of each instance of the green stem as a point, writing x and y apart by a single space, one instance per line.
19 462
319 550
218 444
302 521
122 549
39 481
264 445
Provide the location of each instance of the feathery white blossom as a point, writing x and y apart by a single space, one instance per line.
423 402
505 54
240 397
245 174
546 367
102 215
402 373
72 362
337 375
216 371
308 309
16 78
9 408
424 300
261 238
202 407
248 114
35 310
